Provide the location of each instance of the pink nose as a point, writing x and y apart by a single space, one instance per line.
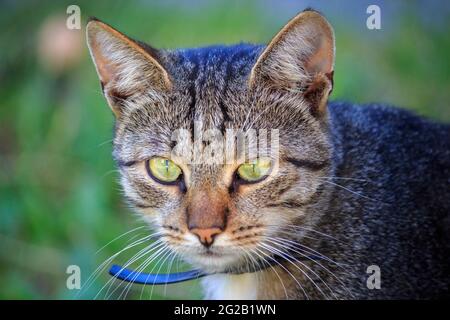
206 236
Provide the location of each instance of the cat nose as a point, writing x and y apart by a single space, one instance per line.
206 236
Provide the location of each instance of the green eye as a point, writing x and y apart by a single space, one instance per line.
255 171
163 169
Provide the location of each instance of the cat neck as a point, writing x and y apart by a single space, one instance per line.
231 286
270 283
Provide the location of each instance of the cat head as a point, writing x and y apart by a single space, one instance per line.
222 149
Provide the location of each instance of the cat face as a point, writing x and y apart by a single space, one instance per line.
187 122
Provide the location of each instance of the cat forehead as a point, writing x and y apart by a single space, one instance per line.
212 66
207 86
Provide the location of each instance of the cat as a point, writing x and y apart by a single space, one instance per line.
356 205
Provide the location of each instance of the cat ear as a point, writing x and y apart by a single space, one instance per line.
299 58
125 67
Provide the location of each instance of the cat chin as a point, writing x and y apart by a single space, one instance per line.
216 263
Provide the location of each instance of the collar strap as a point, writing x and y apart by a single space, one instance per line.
129 275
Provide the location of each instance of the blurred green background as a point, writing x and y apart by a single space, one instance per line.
59 197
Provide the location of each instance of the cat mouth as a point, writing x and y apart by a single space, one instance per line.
214 260
209 253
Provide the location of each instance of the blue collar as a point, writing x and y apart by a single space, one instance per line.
154 278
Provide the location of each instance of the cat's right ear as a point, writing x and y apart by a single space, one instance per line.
300 58
126 68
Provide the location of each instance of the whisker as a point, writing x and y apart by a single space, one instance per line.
161 262
157 255
263 260
346 178
285 269
105 142
107 173
257 117
310 250
154 257
316 232
169 270
117 238
280 243
288 258
140 254
353 192
141 267
103 265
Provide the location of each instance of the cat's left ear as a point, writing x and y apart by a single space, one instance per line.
125 67
300 58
